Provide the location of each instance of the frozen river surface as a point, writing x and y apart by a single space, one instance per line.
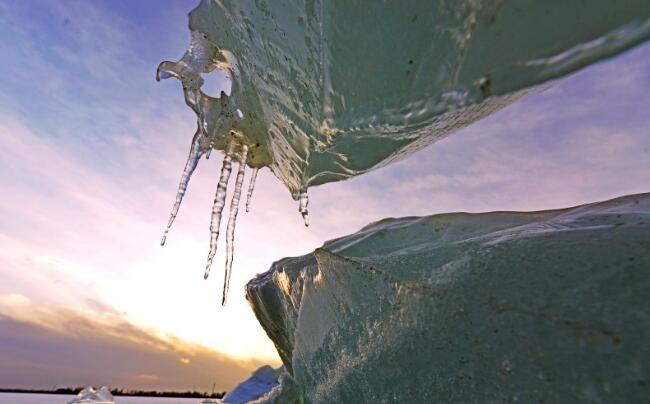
13 398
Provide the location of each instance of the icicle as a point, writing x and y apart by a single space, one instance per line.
232 221
217 208
251 187
190 166
303 201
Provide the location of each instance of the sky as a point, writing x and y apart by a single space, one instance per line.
91 151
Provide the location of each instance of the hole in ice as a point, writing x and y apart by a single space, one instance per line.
164 75
215 82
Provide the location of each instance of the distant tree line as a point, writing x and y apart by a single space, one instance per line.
120 392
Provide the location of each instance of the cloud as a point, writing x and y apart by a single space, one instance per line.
60 346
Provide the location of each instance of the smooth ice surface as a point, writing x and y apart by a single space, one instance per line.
547 306
325 90
91 396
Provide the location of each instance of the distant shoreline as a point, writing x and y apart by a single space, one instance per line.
119 392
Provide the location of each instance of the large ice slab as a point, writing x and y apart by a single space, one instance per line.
325 90
261 382
91 396
547 306
265 386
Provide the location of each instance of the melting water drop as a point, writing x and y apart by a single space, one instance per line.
232 221
217 207
196 151
251 187
303 201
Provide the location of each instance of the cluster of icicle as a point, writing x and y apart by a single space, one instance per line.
215 129
235 151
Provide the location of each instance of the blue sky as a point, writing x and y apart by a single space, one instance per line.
92 147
